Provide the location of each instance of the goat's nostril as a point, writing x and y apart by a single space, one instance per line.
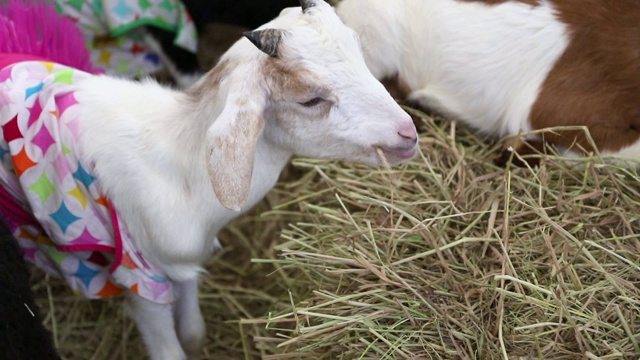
407 131
411 136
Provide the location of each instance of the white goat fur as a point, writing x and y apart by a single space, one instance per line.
149 147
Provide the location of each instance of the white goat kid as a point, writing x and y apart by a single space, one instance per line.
308 92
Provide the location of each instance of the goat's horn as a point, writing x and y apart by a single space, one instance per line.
305 4
266 40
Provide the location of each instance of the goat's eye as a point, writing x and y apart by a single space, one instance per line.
312 102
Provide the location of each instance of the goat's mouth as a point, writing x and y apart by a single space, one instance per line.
397 154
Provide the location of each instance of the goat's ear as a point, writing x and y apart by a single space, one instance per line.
231 143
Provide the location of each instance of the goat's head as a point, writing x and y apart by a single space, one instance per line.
309 92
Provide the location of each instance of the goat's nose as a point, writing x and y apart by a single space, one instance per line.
408 131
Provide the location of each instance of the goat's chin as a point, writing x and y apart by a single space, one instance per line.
394 156
382 158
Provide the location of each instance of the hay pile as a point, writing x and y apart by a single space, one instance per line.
448 257
452 257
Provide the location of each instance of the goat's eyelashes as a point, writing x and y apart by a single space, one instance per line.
312 102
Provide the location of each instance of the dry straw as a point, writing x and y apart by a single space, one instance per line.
452 257
448 257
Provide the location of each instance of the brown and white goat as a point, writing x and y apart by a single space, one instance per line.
504 67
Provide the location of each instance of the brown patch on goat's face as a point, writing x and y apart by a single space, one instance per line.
497 2
596 82
293 85
286 82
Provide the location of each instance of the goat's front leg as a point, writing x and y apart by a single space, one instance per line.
155 324
189 322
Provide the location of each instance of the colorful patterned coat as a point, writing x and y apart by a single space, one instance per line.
48 195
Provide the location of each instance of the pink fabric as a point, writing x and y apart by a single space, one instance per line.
8 59
9 208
